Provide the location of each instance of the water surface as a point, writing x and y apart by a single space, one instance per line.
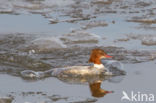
41 35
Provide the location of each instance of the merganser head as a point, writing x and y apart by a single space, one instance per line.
97 55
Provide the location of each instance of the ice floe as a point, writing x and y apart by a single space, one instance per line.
47 43
148 40
76 37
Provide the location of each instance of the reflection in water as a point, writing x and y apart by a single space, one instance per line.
96 89
94 83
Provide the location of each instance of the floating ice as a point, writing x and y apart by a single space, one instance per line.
6 99
18 6
57 2
150 40
79 37
145 39
92 24
53 20
43 44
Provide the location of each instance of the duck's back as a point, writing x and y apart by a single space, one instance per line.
75 71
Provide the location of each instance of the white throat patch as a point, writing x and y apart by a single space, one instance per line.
99 66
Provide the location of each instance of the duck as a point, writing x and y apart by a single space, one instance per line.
80 71
82 74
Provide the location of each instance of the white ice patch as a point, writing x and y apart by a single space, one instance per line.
47 43
18 6
92 24
145 39
80 37
6 99
149 40
57 2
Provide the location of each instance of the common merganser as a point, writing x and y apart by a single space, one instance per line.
82 73
75 71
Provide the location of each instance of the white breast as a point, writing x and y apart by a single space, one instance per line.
99 66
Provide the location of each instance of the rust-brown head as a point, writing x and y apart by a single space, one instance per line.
97 91
97 55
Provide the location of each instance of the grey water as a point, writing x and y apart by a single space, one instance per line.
41 35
